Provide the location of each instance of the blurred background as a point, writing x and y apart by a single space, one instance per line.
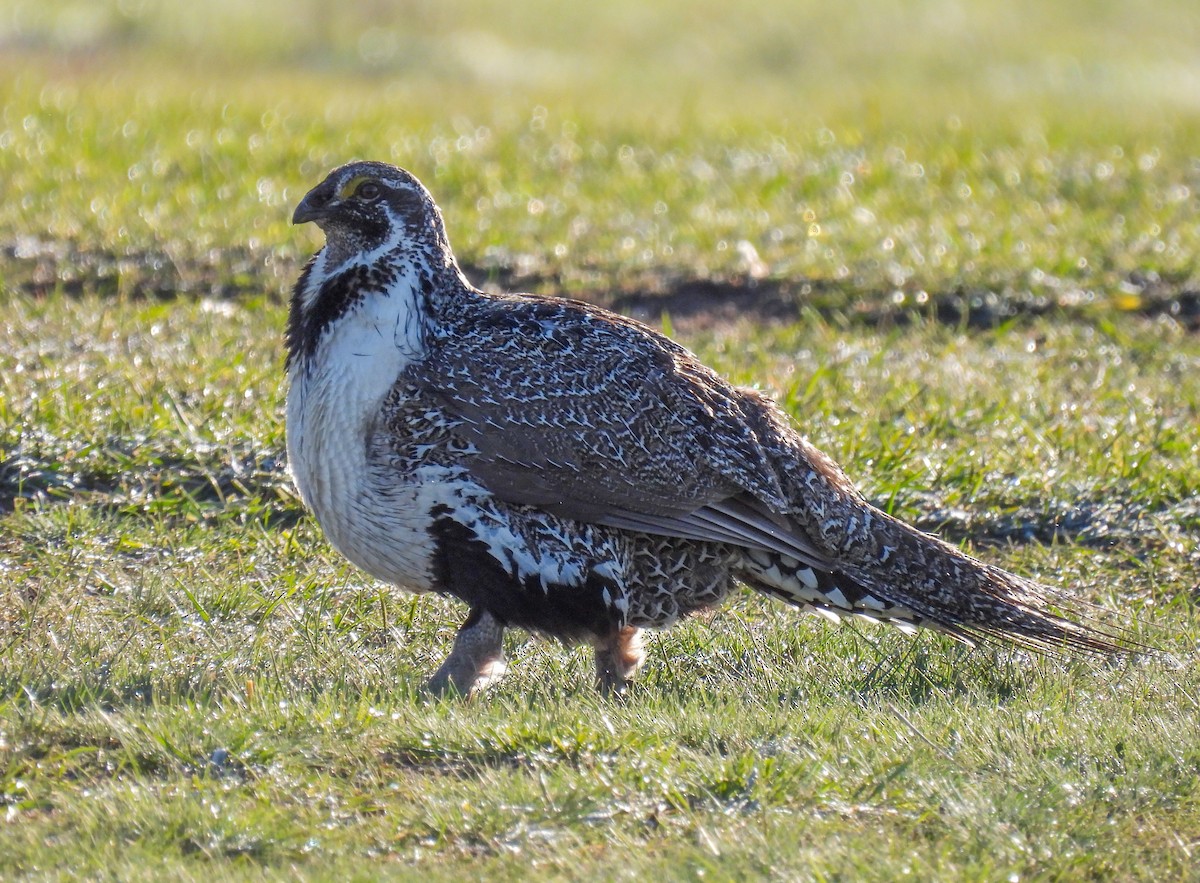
882 145
797 60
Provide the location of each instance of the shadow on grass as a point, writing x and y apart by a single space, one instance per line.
43 267
240 478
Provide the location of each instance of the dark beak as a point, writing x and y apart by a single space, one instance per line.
312 207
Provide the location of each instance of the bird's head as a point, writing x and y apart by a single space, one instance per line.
363 206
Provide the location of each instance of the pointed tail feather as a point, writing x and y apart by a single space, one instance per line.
878 561
916 580
967 596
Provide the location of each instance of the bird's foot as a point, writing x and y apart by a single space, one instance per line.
476 661
618 657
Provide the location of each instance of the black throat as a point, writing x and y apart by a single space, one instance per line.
345 288
336 295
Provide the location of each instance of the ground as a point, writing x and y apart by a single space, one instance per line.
957 241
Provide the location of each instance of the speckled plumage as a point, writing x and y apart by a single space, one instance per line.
563 469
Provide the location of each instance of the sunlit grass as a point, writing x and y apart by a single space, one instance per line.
560 196
193 684
980 148
192 673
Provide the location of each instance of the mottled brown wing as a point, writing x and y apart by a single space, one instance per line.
598 418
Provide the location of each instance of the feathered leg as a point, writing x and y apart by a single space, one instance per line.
477 659
618 657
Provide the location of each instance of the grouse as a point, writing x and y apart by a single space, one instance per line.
566 470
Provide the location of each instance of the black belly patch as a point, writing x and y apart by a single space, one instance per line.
463 567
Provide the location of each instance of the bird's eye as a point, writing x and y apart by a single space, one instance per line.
368 191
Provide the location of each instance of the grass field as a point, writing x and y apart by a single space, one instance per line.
956 240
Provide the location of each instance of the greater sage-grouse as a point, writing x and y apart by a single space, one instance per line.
566 470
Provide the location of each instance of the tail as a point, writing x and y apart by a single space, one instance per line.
913 580
881 568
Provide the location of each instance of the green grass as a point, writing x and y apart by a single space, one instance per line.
975 227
